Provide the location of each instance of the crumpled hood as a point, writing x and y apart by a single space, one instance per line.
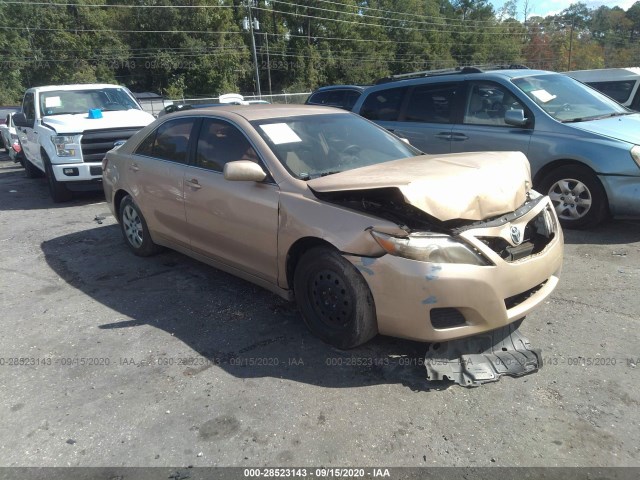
80 122
469 186
626 128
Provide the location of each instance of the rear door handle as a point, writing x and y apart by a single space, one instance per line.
459 136
444 136
134 167
193 183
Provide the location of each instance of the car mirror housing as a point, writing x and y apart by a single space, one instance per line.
244 171
19 120
515 118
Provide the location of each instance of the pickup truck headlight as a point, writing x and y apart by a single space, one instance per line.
429 247
65 145
635 154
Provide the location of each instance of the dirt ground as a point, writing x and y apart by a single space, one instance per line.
111 360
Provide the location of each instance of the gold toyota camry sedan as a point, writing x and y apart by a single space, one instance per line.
366 233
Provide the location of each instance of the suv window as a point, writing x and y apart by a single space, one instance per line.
618 90
219 143
383 105
487 103
170 141
432 103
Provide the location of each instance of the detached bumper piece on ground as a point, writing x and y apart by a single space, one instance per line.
483 358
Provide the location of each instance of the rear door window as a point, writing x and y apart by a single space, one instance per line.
220 142
383 105
170 141
432 103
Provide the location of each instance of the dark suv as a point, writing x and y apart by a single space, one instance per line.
341 96
584 148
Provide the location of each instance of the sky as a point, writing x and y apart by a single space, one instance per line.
552 7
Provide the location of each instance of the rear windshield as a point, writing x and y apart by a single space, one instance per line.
311 146
568 100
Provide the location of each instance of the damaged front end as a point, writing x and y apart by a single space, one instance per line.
462 285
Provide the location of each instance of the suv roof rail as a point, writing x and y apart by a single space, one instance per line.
448 71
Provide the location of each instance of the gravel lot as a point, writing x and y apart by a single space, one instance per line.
123 361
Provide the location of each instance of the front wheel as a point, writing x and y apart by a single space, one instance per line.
135 230
334 299
59 192
577 195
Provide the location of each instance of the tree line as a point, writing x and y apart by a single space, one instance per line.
196 48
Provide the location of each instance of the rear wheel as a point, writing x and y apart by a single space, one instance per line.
334 299
58 191
135 230
577 195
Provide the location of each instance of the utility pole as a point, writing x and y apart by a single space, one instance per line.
573 22
251 26
266 41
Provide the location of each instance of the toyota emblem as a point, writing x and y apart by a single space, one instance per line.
516 235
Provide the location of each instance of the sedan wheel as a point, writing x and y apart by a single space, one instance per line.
334 299
134 229
577 196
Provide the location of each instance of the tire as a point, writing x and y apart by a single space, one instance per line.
334 299
577 195
58 191
134 229
30 170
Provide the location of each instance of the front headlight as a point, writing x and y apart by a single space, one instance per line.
65 145
429 247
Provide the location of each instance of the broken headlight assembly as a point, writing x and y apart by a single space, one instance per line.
430 247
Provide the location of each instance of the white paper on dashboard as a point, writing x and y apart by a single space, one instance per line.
543 95
280 133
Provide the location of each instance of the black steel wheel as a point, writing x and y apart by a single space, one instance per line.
334 299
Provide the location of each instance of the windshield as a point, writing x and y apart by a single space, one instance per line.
568 100
61 102
311 146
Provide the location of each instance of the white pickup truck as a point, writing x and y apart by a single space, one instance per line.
65 131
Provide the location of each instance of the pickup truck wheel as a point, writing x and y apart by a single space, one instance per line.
59 193
30 170
334 299
134 229
577 195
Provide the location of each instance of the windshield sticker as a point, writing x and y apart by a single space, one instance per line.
52 102
280 133
543 95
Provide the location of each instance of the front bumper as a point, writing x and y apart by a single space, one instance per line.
440 302
79 172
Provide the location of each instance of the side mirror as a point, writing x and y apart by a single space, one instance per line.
244 171
515 118
19 120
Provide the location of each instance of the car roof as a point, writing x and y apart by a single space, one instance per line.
262 111
78 86
340 87
458 76
605 74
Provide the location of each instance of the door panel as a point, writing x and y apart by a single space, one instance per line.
158 186
233 222
155 174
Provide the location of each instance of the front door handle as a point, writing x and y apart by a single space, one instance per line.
193 183
134 167
443 136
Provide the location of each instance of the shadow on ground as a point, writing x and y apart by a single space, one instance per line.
243 329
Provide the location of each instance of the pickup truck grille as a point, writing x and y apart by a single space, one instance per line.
95 143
